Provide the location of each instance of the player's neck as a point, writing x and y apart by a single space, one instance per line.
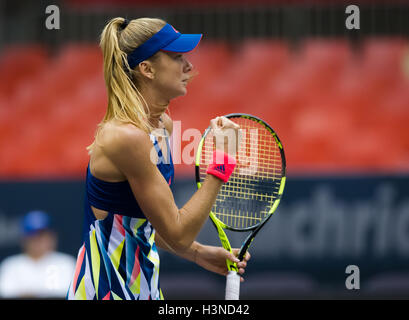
157 105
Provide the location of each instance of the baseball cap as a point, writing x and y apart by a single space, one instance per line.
166 39
35 221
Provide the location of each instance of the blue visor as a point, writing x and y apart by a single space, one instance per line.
167 39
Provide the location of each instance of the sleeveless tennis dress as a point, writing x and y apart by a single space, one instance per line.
118 258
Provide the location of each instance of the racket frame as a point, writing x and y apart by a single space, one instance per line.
219 225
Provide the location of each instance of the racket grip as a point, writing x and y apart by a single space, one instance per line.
232 286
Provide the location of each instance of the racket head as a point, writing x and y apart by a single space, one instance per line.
254 190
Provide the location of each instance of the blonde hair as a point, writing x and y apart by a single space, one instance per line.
125 102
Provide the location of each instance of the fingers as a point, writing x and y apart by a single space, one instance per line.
232 257
213 123
241 271
227 123
223 123
227 135
216 123
246 257
241 265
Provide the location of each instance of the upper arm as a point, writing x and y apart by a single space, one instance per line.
130 150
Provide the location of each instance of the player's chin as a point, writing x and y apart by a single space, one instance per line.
183 89
180 92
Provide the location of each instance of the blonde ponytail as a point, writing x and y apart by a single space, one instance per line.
125 102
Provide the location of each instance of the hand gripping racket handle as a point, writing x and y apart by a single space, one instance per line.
232 286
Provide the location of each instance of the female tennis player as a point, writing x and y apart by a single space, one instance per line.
129 207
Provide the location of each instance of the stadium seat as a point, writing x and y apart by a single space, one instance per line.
20 63
331 106
383 63
318 66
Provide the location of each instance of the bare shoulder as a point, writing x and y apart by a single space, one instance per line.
120 139
168 123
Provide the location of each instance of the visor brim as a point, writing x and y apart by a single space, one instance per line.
185 43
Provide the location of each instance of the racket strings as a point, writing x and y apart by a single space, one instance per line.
253 187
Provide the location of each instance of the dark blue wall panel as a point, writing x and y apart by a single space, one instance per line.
322 225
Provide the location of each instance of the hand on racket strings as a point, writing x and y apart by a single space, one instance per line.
226 135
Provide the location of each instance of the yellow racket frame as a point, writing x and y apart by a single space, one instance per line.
219 225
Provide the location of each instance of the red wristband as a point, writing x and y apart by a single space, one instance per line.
222 166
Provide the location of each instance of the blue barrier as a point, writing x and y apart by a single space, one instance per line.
322 225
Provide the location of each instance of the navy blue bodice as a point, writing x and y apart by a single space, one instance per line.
117 197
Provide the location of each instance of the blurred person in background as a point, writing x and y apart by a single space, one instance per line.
129 206
39 271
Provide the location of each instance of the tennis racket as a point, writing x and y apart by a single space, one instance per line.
247 201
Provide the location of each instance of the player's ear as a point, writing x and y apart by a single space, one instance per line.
147 69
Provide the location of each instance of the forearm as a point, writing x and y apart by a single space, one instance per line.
208 257
194 213
188 254
178 227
